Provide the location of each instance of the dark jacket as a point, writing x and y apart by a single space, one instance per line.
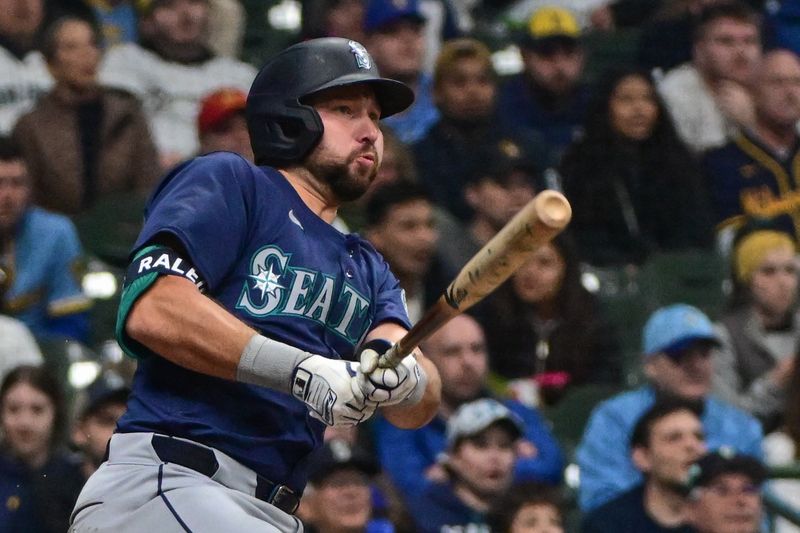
38 501
628 202
626 514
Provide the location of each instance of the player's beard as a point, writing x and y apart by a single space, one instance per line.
346 180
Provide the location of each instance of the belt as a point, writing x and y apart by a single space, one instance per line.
203 460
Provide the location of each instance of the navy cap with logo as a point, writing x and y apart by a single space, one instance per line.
723 461
382 13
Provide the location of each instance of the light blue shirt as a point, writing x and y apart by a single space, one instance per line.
44 278
604 452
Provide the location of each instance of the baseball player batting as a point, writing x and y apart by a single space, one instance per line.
247 312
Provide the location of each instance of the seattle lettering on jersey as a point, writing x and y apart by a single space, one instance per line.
276 288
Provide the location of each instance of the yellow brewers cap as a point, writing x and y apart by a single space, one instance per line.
552 22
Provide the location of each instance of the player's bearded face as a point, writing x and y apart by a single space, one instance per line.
348 156
349 177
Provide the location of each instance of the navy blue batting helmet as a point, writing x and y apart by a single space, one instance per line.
282 128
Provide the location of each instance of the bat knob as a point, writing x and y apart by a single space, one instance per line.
553 209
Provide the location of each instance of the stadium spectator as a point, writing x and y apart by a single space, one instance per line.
25 75
40 256
479 464
395 39
448 155
338 496
333 18
528 508
677 344
725 493
666 40
760 333
507 177
17 347
39 481
103 404
666 441
548 96
401 225
709 97
545 331
171 70
413 458
756 175
221 124
83 141
633 185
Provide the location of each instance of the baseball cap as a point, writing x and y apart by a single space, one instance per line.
551 24
102 392
337 455
380 13
502 157
725 460
472 418
673 328
219 106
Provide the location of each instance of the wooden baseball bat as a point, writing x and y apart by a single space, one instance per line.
537 223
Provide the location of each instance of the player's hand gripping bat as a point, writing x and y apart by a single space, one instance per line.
537 223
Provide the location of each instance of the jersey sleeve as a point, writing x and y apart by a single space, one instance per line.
205 204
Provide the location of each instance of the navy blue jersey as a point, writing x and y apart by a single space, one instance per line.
277 266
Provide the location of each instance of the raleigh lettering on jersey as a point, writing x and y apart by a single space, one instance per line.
162 260
276 288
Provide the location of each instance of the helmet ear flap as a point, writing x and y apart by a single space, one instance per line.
284 135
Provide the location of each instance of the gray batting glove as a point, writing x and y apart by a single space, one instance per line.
330 389
404 384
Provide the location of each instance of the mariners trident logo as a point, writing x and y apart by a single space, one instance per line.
362 56
274 287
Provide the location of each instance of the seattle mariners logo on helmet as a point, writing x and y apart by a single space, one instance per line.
283 128
362 57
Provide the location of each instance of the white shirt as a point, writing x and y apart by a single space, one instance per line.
171 92
698 119
21 84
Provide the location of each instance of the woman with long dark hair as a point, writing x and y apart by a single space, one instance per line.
543 324
634 186
38 481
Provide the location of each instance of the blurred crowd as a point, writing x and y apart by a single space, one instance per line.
637 374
